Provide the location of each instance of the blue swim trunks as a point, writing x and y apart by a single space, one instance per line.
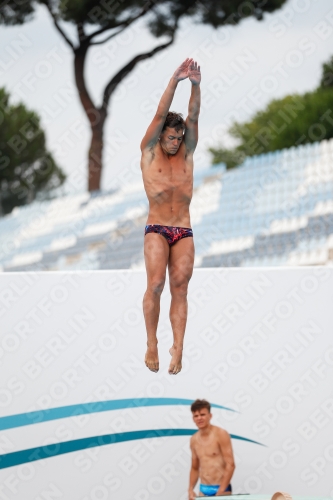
210 490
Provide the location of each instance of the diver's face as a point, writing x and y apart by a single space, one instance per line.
171 140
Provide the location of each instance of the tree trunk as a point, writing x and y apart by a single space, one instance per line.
96 119
95 157
97 116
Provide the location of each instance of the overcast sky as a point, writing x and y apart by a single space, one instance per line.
243 68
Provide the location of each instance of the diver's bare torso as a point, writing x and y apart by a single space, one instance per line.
168 182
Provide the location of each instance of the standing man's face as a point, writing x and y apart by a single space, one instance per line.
201 418
171 140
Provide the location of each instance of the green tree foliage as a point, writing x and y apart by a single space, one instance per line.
96 22
284 123
327 74
26 167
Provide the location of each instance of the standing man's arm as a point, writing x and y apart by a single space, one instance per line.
228 457
155 128
191 133
194 473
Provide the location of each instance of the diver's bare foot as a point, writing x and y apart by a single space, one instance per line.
176 360
151 358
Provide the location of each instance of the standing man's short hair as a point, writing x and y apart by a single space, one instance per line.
200 404
174 120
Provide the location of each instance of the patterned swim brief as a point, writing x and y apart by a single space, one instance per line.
171 234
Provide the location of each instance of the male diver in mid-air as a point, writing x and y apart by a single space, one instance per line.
167 170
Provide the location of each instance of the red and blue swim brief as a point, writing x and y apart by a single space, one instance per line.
171 233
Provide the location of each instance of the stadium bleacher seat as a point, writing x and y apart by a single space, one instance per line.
275 209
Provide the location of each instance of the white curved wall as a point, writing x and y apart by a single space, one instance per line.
257 341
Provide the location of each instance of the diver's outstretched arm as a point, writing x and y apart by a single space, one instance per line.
155 128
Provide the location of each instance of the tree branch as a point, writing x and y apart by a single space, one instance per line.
109 37
56 24
124 24
114 82
80 32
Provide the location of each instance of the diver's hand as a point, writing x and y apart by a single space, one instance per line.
182 71
194 73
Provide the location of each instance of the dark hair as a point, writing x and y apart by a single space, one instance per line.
174 120
200 404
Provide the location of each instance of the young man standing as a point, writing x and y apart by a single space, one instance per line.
167 170
212 456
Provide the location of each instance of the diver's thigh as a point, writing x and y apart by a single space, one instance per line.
156 253
181 261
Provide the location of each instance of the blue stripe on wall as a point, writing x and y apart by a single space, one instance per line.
36 417
53 450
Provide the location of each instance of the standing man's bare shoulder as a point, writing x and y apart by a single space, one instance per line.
193 441
221 433
224 441
195 444
195 449
194 437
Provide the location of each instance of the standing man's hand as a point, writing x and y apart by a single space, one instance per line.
194 73
191 495
182 71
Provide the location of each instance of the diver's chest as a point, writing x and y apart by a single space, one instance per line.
173 173
175 183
